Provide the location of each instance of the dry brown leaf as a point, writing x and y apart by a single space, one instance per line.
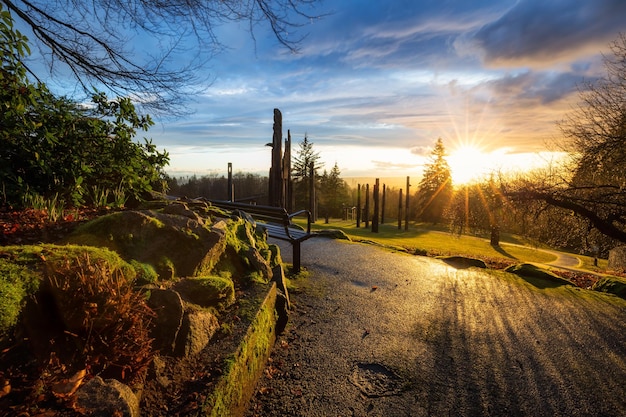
67 387
5 387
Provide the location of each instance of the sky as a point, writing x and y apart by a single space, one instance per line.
375 84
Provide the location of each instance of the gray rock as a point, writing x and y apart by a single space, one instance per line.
283 304
211 291
197 330
181 209
259 263
156 371
105 398
169 309
278 276
617 259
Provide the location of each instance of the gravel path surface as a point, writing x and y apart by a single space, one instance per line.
375 333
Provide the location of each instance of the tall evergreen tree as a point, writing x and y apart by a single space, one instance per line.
333 193
301 171
435 188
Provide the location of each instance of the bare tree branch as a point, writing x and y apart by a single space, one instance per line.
94 37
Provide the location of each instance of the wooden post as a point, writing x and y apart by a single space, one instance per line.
358 205
231 189
382 211
406 206
312 207
287 188
400 210
275 182
367 206
376 206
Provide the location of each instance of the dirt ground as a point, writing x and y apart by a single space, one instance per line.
375 333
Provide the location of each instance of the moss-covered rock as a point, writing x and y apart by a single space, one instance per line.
463 262
23 269
173 244
533 273
211 291
612 285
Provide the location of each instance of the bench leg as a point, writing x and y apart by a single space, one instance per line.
296 256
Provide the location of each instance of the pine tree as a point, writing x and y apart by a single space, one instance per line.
300 171
333 193
435 188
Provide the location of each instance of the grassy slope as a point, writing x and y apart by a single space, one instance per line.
438 242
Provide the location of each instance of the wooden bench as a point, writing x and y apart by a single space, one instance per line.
277 221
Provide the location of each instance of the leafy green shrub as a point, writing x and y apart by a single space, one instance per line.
58 148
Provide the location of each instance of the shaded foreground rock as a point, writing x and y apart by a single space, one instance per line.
201 266
100 398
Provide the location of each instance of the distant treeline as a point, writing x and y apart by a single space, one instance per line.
246 187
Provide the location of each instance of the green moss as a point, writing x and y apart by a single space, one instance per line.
211 291
172 244
145 273
539 277
165 268
242 370
22 269
612 285
16 283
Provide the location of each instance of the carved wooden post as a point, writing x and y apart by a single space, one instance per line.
376 206
367 206
286 186
275 186
406 206
231 189
400 210
382 211
312 205
358 205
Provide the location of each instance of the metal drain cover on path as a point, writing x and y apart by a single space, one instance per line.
375 380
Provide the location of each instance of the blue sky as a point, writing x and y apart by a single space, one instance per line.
376 83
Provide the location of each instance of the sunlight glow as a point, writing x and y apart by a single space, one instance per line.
468 163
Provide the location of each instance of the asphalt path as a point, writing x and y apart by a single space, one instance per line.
376 333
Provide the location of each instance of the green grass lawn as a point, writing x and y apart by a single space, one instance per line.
438 242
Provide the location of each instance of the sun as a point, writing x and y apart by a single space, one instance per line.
469 163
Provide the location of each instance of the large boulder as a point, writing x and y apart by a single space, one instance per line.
211 291
175 242
104 398
169 310
198 328
617 259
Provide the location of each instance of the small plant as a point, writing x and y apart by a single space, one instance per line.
119 197
107 319
54 207
99 196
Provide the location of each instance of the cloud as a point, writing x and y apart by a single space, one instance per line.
539 33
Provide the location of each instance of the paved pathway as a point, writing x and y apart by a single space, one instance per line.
375 333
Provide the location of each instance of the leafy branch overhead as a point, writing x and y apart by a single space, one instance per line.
56 147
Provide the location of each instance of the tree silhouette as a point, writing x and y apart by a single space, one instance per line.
302 160
95 39
592 185
333 193
435 188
